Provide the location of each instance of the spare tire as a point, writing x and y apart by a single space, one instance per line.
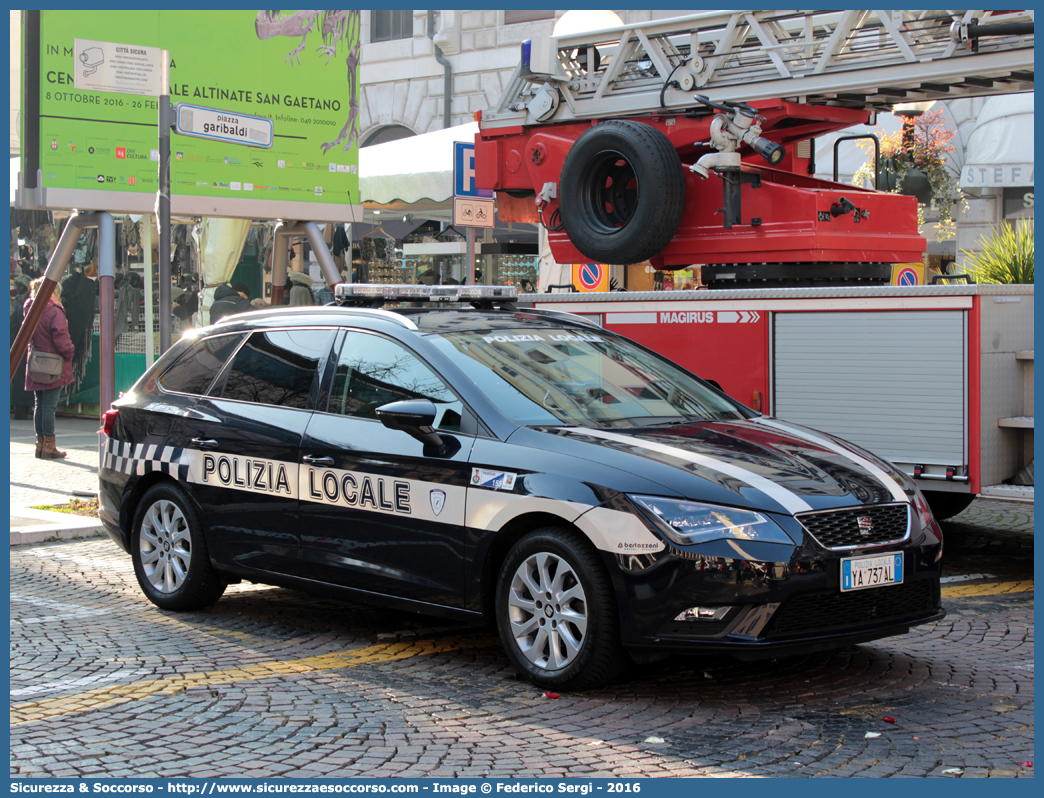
622 192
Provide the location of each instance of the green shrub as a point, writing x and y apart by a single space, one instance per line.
1006 257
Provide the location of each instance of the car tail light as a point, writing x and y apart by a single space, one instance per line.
108 422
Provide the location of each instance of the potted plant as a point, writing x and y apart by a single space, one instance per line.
1006 257
913 162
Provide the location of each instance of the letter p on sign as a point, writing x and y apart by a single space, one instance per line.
464 172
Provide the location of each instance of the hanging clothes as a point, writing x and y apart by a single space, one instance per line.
86 247
264 246
78 293
340 241
128 304
46 241
130 236
221 244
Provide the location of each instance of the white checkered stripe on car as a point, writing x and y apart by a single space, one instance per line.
140 458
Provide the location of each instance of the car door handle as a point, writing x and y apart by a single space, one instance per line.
311 459
205 443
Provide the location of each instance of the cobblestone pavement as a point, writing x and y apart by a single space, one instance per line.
271 682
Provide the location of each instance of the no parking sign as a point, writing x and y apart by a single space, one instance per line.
907 274
591 276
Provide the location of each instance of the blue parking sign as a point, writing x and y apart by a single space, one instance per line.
464 172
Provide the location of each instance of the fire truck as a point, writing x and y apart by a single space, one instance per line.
692 140
936 379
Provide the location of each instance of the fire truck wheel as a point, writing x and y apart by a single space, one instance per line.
622 192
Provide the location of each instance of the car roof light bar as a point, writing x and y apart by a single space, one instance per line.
371 294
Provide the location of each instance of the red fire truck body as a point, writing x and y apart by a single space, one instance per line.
786 218
691 140
936 379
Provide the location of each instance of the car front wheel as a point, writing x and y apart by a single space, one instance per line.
170 555
556 613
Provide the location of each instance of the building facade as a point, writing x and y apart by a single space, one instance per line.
425 70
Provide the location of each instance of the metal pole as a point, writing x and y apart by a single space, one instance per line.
469 257
322 253
279 262
150 314
163 201
106 336
55 268
350 271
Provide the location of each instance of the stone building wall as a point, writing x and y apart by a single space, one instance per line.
402 83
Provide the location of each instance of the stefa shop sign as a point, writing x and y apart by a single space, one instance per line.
997 176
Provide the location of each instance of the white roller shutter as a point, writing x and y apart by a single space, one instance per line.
890 381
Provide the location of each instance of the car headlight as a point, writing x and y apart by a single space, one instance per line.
686 522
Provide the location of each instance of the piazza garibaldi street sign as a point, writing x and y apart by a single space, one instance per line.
220 125
290 89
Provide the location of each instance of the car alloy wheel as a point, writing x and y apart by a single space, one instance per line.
547 608
556 612
171 560
165 546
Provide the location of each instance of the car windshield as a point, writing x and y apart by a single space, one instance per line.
547 376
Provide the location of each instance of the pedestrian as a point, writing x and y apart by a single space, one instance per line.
301 290
229 299
51 338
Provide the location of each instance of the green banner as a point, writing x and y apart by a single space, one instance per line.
297 68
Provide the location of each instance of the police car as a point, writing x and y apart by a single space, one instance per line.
594 501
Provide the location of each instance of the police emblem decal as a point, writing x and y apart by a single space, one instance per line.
438 500
866 525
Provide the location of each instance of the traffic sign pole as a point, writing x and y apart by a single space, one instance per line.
163 202
469 255
464 186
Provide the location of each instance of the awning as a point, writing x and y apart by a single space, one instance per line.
412 175
1000 149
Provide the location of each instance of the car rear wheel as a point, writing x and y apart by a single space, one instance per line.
170 554
556 613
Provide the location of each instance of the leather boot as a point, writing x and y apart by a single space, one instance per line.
50 450
39 446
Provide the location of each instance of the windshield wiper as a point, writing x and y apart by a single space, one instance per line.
663 421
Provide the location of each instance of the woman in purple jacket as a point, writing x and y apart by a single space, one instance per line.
52 335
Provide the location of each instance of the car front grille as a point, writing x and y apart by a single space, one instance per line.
858 527
833 610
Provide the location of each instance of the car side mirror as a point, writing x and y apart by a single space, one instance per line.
414 417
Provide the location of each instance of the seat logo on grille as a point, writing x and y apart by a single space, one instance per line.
866 525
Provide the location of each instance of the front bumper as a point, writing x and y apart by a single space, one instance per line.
789 601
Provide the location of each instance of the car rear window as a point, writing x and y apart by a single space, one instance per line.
195 370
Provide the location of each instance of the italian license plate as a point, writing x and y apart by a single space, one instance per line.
863 572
